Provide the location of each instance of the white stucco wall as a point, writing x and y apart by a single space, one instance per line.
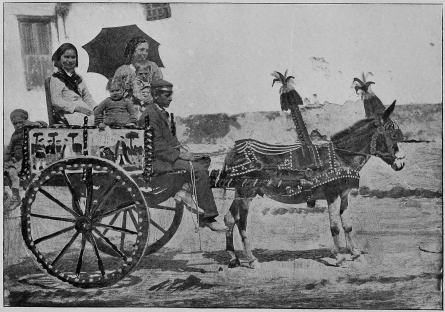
15 93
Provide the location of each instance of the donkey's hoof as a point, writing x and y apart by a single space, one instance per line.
310 203
340 259
254 264
355 254
233 263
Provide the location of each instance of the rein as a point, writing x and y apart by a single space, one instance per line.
352 152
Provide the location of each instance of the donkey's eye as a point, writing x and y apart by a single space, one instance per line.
389 126
397 135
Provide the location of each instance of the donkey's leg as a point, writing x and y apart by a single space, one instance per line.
346 221
333 209
241 222
229 220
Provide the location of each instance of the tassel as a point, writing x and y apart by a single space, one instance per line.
289 99
373 105
172 124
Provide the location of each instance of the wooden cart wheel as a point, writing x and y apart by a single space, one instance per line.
65 218
165 219
165 213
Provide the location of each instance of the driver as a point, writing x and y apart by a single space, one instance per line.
170 155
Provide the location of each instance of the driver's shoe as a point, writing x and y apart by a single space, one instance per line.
213 225
185 197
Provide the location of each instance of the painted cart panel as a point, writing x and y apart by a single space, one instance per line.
44 146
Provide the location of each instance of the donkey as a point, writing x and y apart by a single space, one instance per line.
376 136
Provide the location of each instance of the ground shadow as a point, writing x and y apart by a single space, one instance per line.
164 260
266 255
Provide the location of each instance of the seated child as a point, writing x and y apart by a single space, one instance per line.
13 154
115 110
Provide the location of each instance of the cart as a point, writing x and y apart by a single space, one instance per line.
93 207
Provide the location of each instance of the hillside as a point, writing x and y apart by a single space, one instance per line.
419 122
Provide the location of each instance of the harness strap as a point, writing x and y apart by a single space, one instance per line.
352 152
380 131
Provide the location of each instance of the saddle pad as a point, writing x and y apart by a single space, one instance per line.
253 158
264 148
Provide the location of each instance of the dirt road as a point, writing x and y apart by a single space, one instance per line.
292 244
401 239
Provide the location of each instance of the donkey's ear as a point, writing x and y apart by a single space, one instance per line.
388 111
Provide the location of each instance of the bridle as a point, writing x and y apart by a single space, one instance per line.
391 134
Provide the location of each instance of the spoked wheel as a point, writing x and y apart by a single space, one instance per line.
68 221
165 213
165 219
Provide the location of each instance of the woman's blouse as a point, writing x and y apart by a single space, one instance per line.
66 100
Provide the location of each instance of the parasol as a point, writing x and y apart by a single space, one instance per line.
106 50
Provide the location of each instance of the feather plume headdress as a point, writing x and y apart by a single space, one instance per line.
372 104
288 95
362 85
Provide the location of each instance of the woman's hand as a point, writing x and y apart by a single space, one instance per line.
83 110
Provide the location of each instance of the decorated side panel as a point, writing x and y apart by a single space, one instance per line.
48 145
44 146
124 147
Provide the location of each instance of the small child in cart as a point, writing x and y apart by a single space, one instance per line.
13 154
115 110
141 85
145 100
145 75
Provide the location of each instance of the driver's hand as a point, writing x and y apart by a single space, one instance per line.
183 154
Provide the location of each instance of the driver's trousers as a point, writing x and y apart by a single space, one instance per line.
203 191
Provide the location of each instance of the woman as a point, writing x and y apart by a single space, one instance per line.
69 94
136 51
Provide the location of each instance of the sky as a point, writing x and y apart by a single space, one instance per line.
220 56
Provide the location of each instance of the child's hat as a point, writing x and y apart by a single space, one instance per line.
19 113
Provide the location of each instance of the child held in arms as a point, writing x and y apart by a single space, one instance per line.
13 154
145 76
115 110
144 100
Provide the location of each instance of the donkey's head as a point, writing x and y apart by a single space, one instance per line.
384 141
377 136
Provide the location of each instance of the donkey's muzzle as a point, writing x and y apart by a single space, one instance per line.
399 162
